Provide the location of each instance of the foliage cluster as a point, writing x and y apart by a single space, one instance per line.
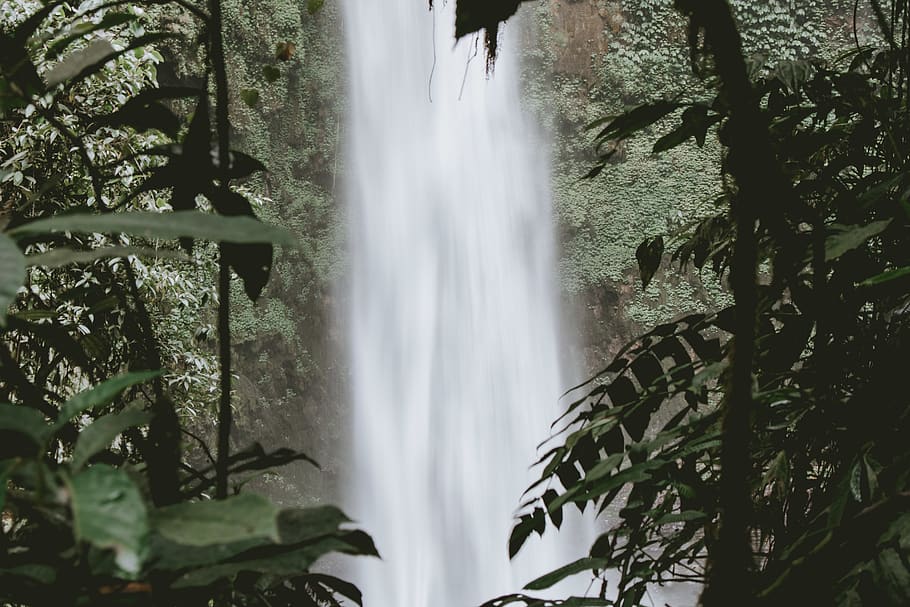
99 504
773 426
641 194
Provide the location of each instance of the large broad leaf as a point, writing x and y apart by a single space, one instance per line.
102 432
12 274
286 563
109 513
303 524
793 74
242 517
252 262
75 62
180 224
25 422
102 394
847 238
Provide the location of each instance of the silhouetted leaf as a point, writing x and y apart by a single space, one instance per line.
649 255
25 421
337 586
695 123
631 122
554 577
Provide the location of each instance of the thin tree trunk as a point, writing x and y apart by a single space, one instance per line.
751 163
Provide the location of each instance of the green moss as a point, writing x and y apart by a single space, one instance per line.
602 221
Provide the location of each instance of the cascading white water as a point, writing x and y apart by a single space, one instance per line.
453 323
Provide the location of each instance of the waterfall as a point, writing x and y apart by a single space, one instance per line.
452 314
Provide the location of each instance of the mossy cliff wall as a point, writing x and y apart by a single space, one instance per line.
291 387
586 59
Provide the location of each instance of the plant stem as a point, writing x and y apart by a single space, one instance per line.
224 272
752 164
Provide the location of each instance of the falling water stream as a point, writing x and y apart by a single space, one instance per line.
453 319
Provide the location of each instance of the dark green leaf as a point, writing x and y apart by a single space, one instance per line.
250 97
793 74
649 255
304 524
102 394
637 119
102 432
584 564
847 238
239 518
885 277
111 19
144 117
520 534
695 123
338 586
271 73
98 51
314 6
12 274
288 563
109 513
179 224
25 421
41 574
244 165
6 470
